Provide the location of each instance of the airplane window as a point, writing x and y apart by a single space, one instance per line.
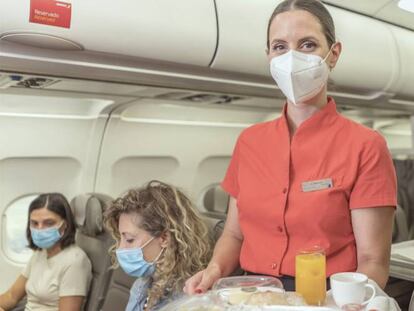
14 222
215 201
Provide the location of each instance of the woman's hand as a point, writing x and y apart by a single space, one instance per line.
203 280
1 309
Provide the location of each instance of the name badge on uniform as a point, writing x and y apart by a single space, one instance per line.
315 185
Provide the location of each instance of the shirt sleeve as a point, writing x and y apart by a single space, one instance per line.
230 183
76 278
376 183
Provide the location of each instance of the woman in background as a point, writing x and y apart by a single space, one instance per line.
58 274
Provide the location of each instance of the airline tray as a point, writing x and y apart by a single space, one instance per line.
402 260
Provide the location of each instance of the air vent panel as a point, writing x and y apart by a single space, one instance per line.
206 98
36 83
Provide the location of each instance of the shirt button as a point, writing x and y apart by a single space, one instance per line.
274 266
284 190
280 229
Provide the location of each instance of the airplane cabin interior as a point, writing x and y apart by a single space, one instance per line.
140 90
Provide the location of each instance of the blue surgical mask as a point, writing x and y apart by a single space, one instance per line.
133 263
46 238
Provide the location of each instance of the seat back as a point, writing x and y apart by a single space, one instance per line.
411 306
95 241
400 230
215 226
117 294
405 179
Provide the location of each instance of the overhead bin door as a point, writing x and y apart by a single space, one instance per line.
178 31
405 44
242 35
368 62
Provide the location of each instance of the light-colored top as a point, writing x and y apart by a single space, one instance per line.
138 296
68 273
299 192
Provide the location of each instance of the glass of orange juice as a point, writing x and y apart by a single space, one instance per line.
310 278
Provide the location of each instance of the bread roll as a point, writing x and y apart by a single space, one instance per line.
267 298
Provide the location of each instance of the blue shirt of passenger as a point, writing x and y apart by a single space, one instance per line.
138 296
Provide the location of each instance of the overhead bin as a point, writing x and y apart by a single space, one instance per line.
152 42
369 61
405 44
242 35
165 30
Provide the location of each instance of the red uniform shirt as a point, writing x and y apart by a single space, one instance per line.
296 193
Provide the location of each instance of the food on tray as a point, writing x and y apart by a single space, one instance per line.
247 281
212 308
267 298
261 297
203 302
236 296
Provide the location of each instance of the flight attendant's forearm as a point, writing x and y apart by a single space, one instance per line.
377 271
227 250
226 254
373 233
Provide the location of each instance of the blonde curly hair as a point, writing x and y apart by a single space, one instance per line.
165 210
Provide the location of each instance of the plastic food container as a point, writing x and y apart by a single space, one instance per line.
255 291
241 293
248 282
204 302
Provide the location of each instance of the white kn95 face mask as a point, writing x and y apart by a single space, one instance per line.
300 76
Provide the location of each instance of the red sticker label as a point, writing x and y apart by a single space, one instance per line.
51 12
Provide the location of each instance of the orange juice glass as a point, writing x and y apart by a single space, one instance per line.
310 279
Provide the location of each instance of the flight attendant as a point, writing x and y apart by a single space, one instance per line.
310 177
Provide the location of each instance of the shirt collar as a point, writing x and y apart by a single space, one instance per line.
324 117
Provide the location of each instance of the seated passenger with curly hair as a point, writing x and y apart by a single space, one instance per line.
160 239
58 274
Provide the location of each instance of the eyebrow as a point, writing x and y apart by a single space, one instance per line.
129 233
278 41
44 220
307 38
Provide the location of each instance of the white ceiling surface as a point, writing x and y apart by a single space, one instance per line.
386 10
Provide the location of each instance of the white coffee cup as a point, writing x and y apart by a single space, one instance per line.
350 287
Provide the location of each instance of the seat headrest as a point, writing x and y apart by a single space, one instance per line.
88 212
